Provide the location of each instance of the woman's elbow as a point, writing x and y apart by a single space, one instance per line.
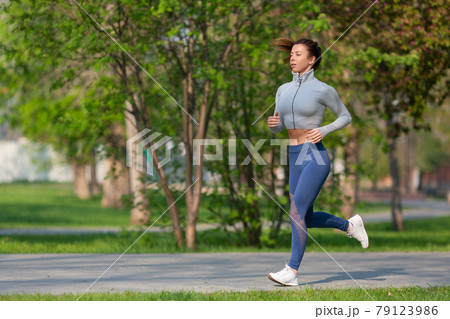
275 130
349 119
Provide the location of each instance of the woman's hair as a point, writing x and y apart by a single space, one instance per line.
286 44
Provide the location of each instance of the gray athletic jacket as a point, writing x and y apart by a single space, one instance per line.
301 104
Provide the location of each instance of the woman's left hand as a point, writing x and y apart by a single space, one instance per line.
314 136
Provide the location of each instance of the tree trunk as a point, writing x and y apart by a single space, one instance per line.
351 154
357 179
108 198
392 133
254 231
137 178
329 181
173 210
95 187
140 213
80 182
191 234
375 171
410 162
396 201
117 181
278 218
188 130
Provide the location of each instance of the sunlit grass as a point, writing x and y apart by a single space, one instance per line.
43 205
53 205
412 293
419 235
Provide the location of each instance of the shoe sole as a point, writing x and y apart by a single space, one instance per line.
279 282
360 220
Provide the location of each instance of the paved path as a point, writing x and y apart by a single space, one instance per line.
58 273
422 209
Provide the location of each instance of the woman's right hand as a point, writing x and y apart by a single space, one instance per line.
273 120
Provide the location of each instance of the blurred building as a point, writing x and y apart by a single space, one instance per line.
437 182
22 160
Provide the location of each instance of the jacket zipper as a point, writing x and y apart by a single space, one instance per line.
293 118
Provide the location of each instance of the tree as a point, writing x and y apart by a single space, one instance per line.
48 102
249 91
400 51
186 43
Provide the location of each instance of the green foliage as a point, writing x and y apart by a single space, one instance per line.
403 60
373 160
330 198
65 81
432 153
56 100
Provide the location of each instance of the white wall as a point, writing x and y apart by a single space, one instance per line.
23 160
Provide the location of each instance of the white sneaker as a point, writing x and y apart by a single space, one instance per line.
358 232
285 277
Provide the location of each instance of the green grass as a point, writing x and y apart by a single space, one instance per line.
419 235
43 205
53 205
412 293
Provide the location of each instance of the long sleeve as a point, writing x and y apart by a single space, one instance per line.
277 129
330 98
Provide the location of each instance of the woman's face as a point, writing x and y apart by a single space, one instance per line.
300 60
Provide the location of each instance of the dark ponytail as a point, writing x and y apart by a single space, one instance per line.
285 45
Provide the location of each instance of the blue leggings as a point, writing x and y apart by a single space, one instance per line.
309 166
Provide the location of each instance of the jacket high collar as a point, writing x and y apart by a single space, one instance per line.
305 77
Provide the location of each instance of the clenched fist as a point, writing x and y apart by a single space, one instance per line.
273 120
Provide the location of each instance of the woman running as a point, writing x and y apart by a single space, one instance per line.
300 106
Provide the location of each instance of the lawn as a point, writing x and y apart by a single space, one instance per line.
25 205
419 235
43 205
413 293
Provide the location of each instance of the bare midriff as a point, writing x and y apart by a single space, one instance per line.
298 135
